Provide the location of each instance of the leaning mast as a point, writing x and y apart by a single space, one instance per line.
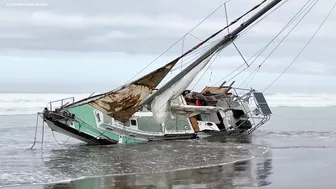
224 42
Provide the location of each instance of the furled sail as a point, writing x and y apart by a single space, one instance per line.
161 104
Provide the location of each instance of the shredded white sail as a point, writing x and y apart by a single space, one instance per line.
161 106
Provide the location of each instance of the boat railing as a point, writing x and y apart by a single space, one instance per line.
257 110
258 99
52 105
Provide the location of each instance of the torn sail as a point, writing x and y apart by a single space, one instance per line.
123 103
161 104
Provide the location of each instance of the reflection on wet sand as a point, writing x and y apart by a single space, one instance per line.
76 162
216 163
249 173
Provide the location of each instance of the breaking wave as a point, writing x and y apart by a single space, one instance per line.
301 100
30 103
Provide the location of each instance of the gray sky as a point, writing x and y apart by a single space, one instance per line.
87 46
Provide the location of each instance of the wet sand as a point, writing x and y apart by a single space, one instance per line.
290 168
301 155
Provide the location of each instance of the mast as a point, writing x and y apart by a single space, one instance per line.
225 41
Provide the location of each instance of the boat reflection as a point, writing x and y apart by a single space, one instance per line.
250 173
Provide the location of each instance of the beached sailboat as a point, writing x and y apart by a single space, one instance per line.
139 112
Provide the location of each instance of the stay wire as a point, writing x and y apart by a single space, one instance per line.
181 56
178 41
189 59
285 37
256 56
206 70
307 44
232 23
254 73
259 52
257 22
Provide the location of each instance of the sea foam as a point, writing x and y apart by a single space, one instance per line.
30 103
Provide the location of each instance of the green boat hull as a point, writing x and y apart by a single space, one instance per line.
94 127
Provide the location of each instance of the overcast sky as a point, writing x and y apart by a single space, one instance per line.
94 46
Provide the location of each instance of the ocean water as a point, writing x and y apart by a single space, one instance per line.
295 149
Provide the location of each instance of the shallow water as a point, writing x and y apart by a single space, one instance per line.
301 144
55 163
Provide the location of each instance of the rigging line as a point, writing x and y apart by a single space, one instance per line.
206 69
307 44
220 81
183 42
257 22
227 18
232 23
152 117
239 66
189 59
255 71
301 11
57 141
182 53
241 54
267 45
176 59
280 41
192 35
200 50
260 51
177 41
285 37
210 73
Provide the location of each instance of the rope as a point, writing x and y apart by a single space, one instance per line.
178 41
307 44
253 74
57 141
285 37
227 27
257 22
257 55
301 11
258 68
226 16
181 56
232 23
168 102
260 51
241 55
206 70
190 59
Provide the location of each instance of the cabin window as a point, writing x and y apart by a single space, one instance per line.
133 122
98 117
107 119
